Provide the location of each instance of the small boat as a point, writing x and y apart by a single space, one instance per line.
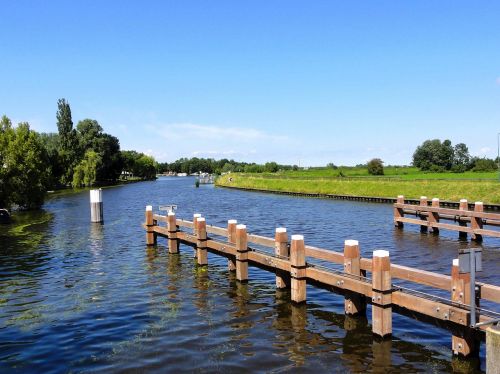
4 216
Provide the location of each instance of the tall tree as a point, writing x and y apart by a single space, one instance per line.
68 138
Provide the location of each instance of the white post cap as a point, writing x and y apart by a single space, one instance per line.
171 213
232 222
401 196
280 229
96 196
149 208
351 242
455 262
423 197
463 200
241 227
196 215
435 199
380 253
478 203
297 237
200 219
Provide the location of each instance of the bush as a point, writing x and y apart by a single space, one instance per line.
484 164
375 167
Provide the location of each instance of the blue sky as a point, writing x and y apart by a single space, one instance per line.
291 81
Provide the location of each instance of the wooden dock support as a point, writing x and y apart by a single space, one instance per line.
423 202
355 303
231 238
476 222
281 250
201 241
463 206
462 341
173 243
241 253
150 235
298 269
434 216
398 212
493 350
381 294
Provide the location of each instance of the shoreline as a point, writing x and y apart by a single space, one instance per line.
370 199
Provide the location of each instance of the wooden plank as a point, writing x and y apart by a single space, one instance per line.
455 212
324 254
216 230
221 247
484 232
269 261
490 292
415 221
339 281
184 223
448 226
261 240
162 231
421 276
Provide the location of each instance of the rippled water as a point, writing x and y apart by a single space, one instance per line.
76 296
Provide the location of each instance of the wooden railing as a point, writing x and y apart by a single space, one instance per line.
471 222
293 263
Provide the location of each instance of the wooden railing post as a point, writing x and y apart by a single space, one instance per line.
423 202
241 253
381 294
195 228
201 241
434 216
398 212
463 206
354 302
150 236
281 250
477 222
298 269
173 244
462 341
231 238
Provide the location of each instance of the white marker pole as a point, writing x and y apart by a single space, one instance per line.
96 207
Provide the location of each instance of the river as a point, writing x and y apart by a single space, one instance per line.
78 297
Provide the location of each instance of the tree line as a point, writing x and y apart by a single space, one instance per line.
32 163
212 166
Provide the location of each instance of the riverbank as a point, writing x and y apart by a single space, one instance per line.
451 190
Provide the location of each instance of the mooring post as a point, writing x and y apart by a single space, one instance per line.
173 243
150 236
231 238
423 203
493 350
241 253
463 206
399 212
354 303
477 222
281 250
462 342
195 228
201 241
298 269
381 293
434 216
96 206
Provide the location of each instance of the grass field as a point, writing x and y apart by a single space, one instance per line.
447 186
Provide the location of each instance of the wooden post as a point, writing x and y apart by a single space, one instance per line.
463 206
150 236
231 238
195 228
241 253
462 341
423 202
354 302
298 269
434 216
96 206
281 250
173 243
477 222
201 241
398 212
381 294
493 350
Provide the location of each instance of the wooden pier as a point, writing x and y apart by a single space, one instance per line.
296 264
429 216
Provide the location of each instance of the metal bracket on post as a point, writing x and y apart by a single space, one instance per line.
469 261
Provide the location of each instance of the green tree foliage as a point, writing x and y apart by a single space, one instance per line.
434 156
375 166
461 158
85 173
139 164
271 167
69 150
484 164
89 131
24 164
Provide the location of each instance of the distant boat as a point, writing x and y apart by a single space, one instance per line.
182 174
4 216
206 178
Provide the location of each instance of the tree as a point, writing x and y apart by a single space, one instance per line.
434 155
461 158
271 167
85 172
111 166
69 148
375 166
24 166
89 131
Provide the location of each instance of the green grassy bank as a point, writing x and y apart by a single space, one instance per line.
487 191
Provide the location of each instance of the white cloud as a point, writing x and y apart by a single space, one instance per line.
484 150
